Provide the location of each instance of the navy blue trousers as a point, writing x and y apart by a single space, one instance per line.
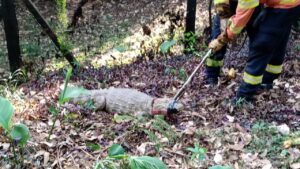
268 32
268 39
213 71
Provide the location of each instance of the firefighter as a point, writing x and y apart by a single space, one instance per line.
224 10
268 32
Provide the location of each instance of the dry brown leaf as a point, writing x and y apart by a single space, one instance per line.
231 73
295 166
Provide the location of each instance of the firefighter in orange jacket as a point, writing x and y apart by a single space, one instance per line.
268 32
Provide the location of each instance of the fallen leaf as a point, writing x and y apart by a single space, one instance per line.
283 129
218 158
231 73
295 166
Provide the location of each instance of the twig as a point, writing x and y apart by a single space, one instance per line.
74 162
58 158
52 127
87 153
170 151
14 151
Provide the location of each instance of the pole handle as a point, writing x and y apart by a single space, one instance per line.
182 89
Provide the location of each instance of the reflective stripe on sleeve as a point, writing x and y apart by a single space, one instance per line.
234 29
251 79
247 4
287 2
214 63
274 69
221 2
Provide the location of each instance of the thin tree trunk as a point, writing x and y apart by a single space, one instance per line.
191 16
47 29
12 34
77 13
1 13
190 20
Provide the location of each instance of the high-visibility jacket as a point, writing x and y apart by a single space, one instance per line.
246 8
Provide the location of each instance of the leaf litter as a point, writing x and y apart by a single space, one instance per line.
207 119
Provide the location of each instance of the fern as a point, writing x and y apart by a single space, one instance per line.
164 128
153 138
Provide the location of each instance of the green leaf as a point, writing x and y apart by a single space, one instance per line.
67 79
6 112
115 150
53 110
72 92
20 134
122 118
193 150
165 47
182 74
121 49
220 167
93 146
146 162
197 151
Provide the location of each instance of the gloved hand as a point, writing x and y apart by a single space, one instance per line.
223 10
218 43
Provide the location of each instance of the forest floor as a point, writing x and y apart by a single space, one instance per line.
247 137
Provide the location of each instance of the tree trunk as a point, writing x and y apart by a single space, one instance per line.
47 29
12 34
77 13
190 21
1 13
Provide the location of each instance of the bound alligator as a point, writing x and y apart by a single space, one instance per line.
126 101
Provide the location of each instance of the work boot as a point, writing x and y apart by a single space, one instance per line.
266 86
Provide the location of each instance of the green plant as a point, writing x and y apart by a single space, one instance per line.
297 47
64 44
266 139
93 146
67 94
18 134
117 159
182 74
166 46
17 77
62 12
62 26
55 113
170 71
160 126
240 102
154 139
220 167
30 49
197 152
90 105
190 40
